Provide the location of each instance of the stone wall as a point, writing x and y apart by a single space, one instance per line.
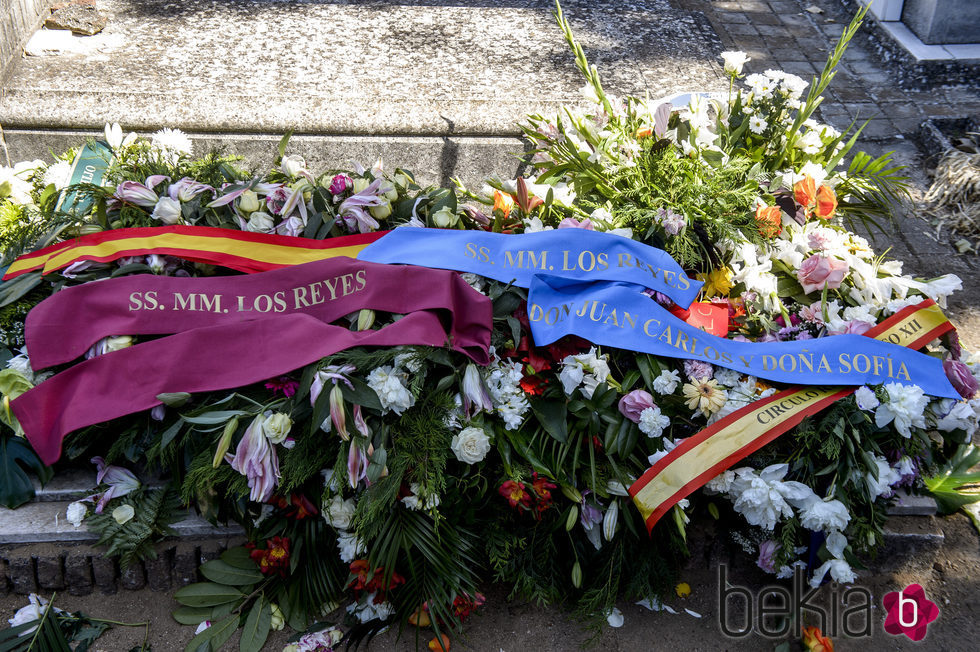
20 19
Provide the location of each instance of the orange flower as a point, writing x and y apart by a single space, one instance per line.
439 644
805 191
769 220
815 641
502 202
644 132
826 202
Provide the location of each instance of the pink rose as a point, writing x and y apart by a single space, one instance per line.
634 403
572 223
819 272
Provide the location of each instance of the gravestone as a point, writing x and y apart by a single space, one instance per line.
943 21
437 87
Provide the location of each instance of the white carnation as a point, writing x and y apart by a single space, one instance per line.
339 512
76 512
866 399
817 514
667 382
350 547
653 422
392 393
905 407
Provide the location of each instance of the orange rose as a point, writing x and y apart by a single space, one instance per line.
826 202
815 641
502 202
769 220
644 132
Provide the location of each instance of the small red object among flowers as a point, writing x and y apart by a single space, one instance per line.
364 581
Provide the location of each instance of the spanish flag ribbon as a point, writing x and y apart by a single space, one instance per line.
701 457
239 250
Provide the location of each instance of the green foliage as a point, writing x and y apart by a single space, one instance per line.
155 510
311 453
955 486
16 458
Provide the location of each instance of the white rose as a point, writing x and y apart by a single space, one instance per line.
734 60
76 513
277 426
259 222
339 512
167 210
248 202
293 165
471 445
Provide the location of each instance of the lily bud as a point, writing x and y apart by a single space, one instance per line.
572 518
609 521
248 201
365 319
577 575
278 621
337 414
224 442
571 493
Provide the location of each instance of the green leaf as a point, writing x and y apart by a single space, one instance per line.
15 485
217 634
238 557
174 399
360 394
553 417
214 418
218 571
192 615
284 142
207 594
257 626
16 288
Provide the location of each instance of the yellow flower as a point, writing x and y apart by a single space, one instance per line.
683 590
705 395
717 283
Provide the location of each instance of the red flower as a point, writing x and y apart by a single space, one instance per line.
464 605
298 506
368 582
533 385
542 489
274 558
283 384
515 493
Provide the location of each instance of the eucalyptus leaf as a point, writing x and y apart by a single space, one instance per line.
218 571
207 594
257 626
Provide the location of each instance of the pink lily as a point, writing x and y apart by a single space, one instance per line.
357 464
238 188
121 482
134 192
353 212
187 189
256 459
337 414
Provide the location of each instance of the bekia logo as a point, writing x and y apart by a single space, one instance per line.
909 612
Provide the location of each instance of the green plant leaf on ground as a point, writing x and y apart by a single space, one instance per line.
15 485
951 487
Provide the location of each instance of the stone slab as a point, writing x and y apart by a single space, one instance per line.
20 19
377 68
433 160
909 505
45 522
943 21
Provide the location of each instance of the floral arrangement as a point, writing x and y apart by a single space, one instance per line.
394 482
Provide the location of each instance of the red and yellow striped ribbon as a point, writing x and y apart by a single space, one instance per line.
238 250
699 458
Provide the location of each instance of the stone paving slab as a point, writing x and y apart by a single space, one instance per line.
359 68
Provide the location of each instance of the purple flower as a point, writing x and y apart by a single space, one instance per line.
671 221
633 404
256 459
962 380
121 482
340 184
698 369
767 556
590 515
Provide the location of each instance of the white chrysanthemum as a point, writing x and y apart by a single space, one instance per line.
865 398
667 382
350 547
905 407
173 141
392 393
817 514
58 174
653 421
757 125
